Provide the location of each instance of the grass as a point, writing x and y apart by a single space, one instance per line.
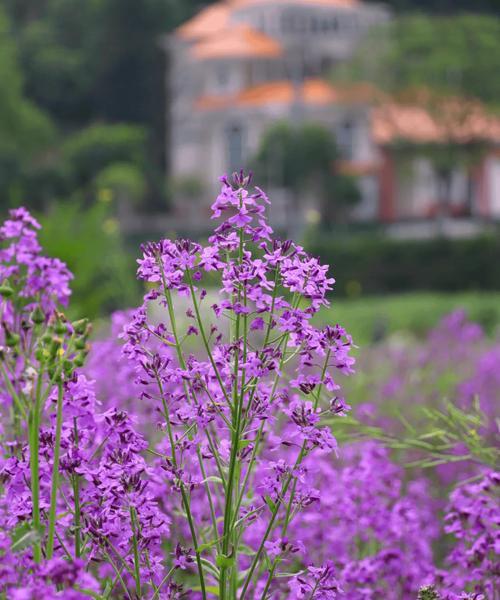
369 318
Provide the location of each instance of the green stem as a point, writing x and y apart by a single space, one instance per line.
34 427
185 499
162 583
55 472
294 487
210 499
237 404
205 338
13 393
118 575
265 537
137 570
76 499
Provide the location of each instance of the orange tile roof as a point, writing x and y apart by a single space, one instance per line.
313 91
276 92
217 16
453 119
238 41
339 3
206 22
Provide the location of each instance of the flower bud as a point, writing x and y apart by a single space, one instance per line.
46 338
80 343
60 328
54 347
80 326
79 360
6 291
11 339
56 342
37 316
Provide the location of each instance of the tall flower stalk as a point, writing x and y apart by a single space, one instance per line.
227 409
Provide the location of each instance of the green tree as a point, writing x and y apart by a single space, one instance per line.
88 240
25 131
302 160
100 60
442 7
457 54
88 151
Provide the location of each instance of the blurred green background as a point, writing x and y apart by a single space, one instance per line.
83 129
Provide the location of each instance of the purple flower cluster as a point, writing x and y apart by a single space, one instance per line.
74 480
264 382
30 274
473 518
193 452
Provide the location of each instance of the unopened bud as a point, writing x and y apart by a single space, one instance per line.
11 339
80 343
80 326
37 316
6 291
79 360
46 338
60 328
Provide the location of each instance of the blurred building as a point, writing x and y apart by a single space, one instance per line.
241 65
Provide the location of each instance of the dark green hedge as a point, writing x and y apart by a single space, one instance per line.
376 265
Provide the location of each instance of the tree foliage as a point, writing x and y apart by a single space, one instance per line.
24 129
458 54
302 159
94 148
67 64
442 7
89 242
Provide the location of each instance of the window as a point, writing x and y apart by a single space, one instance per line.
345 139
261 22
234 144
329 25
293 21
221 75
286 22
333 24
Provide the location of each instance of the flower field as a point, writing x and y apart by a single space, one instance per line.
238 443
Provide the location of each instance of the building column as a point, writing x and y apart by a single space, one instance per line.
481 200
387 184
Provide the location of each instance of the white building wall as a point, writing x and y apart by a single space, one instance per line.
422 188
198 140
368 207
493 186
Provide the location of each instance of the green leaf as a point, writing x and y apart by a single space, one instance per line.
207 545
212 589
210 567
214 479
23 536
243 444
246 550
223 561
270 503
